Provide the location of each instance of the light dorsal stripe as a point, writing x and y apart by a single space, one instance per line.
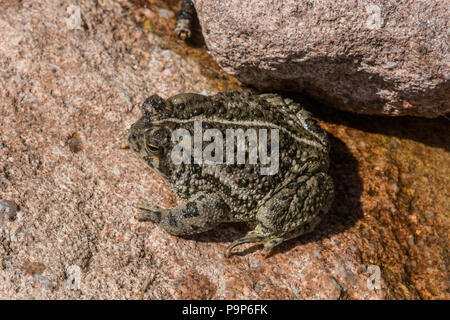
247 124
300 118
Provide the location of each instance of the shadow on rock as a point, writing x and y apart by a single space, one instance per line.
196 40
431 132
346 208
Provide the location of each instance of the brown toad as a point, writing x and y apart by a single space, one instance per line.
280 196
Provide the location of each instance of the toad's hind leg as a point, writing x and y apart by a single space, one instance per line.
201 213
293 210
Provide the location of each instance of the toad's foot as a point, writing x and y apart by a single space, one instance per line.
151 212
259 237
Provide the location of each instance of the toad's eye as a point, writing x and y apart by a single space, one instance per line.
153 148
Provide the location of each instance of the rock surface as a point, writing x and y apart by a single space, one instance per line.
8 209
380 57
67 97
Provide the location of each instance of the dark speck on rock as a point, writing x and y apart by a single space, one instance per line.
74 143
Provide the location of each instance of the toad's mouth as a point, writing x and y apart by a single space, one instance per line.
153 163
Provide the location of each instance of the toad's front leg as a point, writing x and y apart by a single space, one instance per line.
201 213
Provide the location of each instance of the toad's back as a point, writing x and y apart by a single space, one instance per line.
269 170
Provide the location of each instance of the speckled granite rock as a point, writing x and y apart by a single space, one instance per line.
8 209
67 97
379 57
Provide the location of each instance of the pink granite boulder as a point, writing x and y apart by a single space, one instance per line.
379 57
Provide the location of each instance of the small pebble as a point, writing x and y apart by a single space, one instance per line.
255 263
167 14
8 209
390 65
74 142
44 281
429 214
